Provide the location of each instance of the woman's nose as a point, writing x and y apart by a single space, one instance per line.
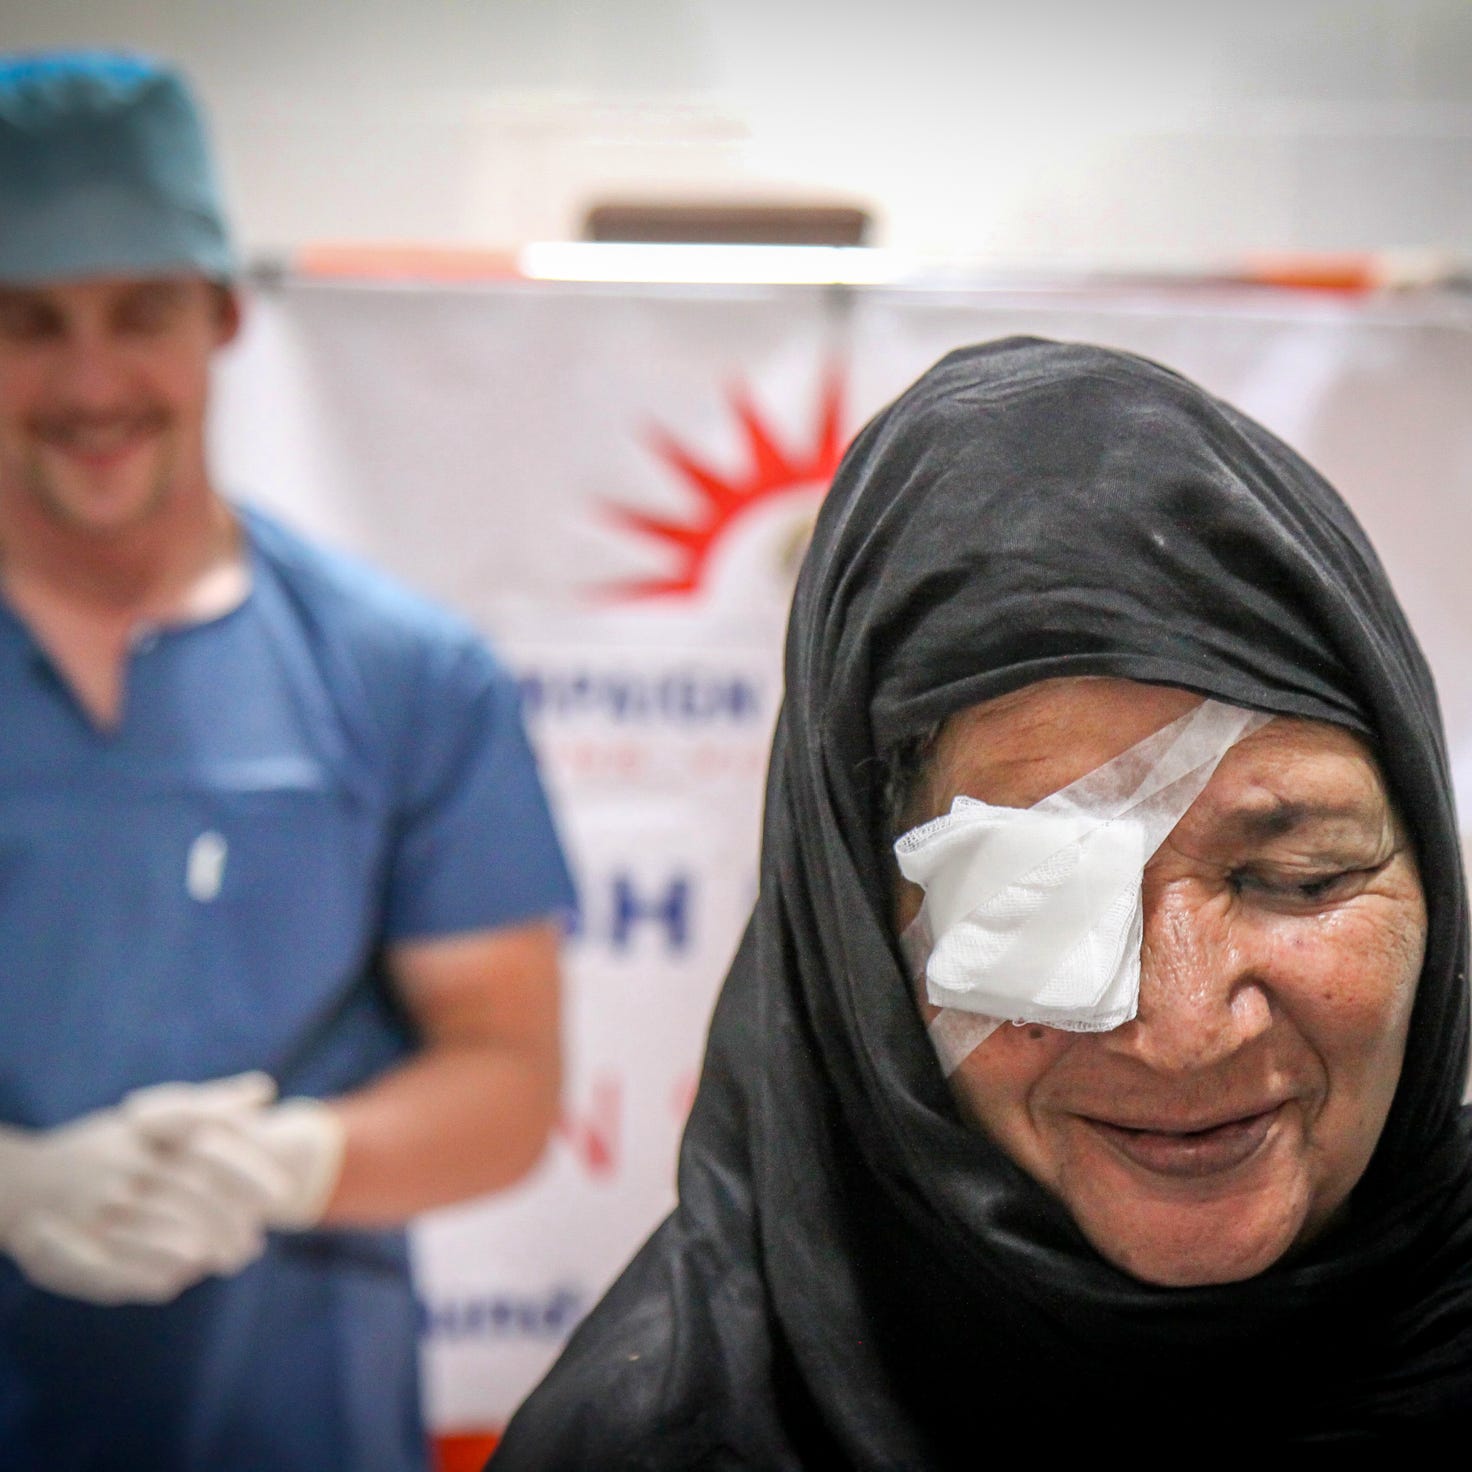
1203 992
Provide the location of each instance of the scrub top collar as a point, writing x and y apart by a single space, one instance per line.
221 590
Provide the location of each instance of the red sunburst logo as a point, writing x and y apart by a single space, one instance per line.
726 502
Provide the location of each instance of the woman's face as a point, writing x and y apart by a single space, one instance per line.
1284 927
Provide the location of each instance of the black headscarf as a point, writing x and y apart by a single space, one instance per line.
855 1278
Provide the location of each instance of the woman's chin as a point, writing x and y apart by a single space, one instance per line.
1175 1246
1194 1268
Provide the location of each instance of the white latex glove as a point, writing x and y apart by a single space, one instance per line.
100 1210
303 1138
213 1131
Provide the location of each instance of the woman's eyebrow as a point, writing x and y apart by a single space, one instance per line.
1259 822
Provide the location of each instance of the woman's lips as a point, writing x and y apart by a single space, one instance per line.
1190 1153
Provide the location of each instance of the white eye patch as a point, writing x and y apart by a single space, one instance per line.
1034 914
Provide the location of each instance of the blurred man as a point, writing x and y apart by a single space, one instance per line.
278 885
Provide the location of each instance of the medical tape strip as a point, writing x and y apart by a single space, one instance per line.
954 1034
1036 911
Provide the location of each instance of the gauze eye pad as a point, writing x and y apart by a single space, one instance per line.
1033 914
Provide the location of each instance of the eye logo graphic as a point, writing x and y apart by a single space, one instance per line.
740 545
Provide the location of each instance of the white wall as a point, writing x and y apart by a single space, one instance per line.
1128 132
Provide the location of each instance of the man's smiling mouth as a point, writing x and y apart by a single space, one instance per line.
100 438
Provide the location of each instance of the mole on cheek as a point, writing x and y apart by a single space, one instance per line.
1036 1034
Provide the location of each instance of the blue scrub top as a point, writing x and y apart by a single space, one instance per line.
332 766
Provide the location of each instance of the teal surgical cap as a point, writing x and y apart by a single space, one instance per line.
104 171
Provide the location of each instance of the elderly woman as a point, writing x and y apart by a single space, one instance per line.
1123 1111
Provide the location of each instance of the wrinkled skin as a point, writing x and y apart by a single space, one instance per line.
1284 929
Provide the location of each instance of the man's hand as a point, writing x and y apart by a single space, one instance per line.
179 1181
302 1142
118 1207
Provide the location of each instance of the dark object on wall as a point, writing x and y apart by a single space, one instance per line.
728 224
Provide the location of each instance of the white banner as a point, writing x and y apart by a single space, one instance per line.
616 484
